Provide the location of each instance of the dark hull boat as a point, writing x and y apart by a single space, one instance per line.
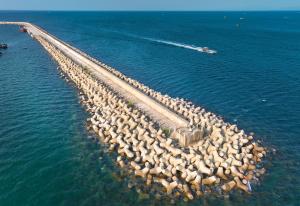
3 46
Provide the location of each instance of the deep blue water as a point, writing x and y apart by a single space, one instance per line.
254 80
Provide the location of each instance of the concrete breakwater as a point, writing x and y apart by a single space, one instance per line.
220 156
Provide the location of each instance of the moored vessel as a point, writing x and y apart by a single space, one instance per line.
3 46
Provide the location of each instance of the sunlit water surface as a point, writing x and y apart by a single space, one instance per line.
45 155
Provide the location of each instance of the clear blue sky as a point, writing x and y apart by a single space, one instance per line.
149 4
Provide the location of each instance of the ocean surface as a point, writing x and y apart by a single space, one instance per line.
46 154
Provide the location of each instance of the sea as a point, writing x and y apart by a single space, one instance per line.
47 156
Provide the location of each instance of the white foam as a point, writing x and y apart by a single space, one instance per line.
249 186
186 46
176 44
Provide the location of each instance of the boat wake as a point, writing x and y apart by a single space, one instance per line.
170 43
186 46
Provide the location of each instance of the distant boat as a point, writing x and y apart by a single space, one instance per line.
209 51
3 46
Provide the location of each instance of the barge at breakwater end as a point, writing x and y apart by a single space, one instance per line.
163 140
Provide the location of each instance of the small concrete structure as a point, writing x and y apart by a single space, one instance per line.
187 136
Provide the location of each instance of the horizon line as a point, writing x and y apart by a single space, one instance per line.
108 10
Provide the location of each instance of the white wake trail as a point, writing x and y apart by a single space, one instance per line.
186 46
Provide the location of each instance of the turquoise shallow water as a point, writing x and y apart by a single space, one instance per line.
45 155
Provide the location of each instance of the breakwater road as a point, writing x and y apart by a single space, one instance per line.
153 108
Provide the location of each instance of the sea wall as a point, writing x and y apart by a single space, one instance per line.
225 158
